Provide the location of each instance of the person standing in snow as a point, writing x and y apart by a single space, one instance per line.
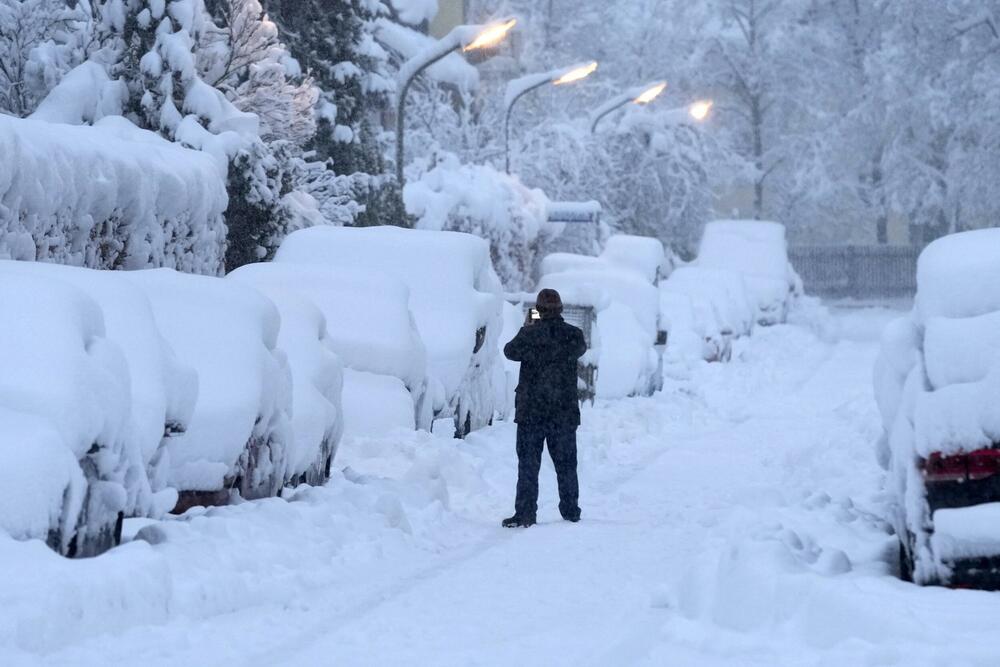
547 410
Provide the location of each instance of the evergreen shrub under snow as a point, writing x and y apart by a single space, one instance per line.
109 196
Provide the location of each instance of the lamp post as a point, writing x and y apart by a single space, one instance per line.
641 95
467 38
518 88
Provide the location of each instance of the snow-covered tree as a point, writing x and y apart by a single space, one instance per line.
40 40
334 42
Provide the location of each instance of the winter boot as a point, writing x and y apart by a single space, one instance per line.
518 522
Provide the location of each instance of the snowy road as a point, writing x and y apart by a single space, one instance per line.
733 520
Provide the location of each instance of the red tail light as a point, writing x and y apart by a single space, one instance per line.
971 467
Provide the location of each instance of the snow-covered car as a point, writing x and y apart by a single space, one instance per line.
163 391
371 329
937 381
71 470
707 305
455 298
317 375
643 254
758 251
624 343
240 431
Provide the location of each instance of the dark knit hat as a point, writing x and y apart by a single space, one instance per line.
549 303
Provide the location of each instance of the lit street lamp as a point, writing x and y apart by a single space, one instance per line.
466 38
641 95
518 88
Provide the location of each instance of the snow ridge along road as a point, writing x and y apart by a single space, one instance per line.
732 520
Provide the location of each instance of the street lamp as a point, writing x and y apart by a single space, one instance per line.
641 95
465 38
518 88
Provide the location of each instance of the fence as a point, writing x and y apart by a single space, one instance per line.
863 272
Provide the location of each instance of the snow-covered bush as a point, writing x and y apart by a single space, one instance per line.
627 308
317 374
759 252
163 392
483 202
936 382
61 371
454 297
239 433
108 196
371 329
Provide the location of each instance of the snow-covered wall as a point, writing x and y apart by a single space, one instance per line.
108 196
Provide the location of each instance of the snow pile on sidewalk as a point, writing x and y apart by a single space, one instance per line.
454 295
108 196
936 380
483 202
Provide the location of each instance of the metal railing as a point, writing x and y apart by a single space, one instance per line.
863 272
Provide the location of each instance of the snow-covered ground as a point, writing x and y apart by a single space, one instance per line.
734 519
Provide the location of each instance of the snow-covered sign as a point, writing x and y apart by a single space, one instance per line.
574 212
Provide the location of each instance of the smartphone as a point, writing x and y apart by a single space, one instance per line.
533 316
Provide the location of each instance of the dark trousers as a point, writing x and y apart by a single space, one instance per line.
561 440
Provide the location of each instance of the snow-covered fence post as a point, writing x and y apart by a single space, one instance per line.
518 88
464 37
640 95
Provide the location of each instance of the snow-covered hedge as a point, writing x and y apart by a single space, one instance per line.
64 391
108 196
317 375
455 298
240 431
937 379
371 329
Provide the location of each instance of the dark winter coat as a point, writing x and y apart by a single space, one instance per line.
547 390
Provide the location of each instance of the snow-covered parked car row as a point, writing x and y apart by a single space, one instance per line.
937 380
741 279
139 393
619 286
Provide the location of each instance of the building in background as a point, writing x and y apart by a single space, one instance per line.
451 13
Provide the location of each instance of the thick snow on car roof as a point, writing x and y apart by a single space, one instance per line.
959 275
228 332
453 288
750 247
